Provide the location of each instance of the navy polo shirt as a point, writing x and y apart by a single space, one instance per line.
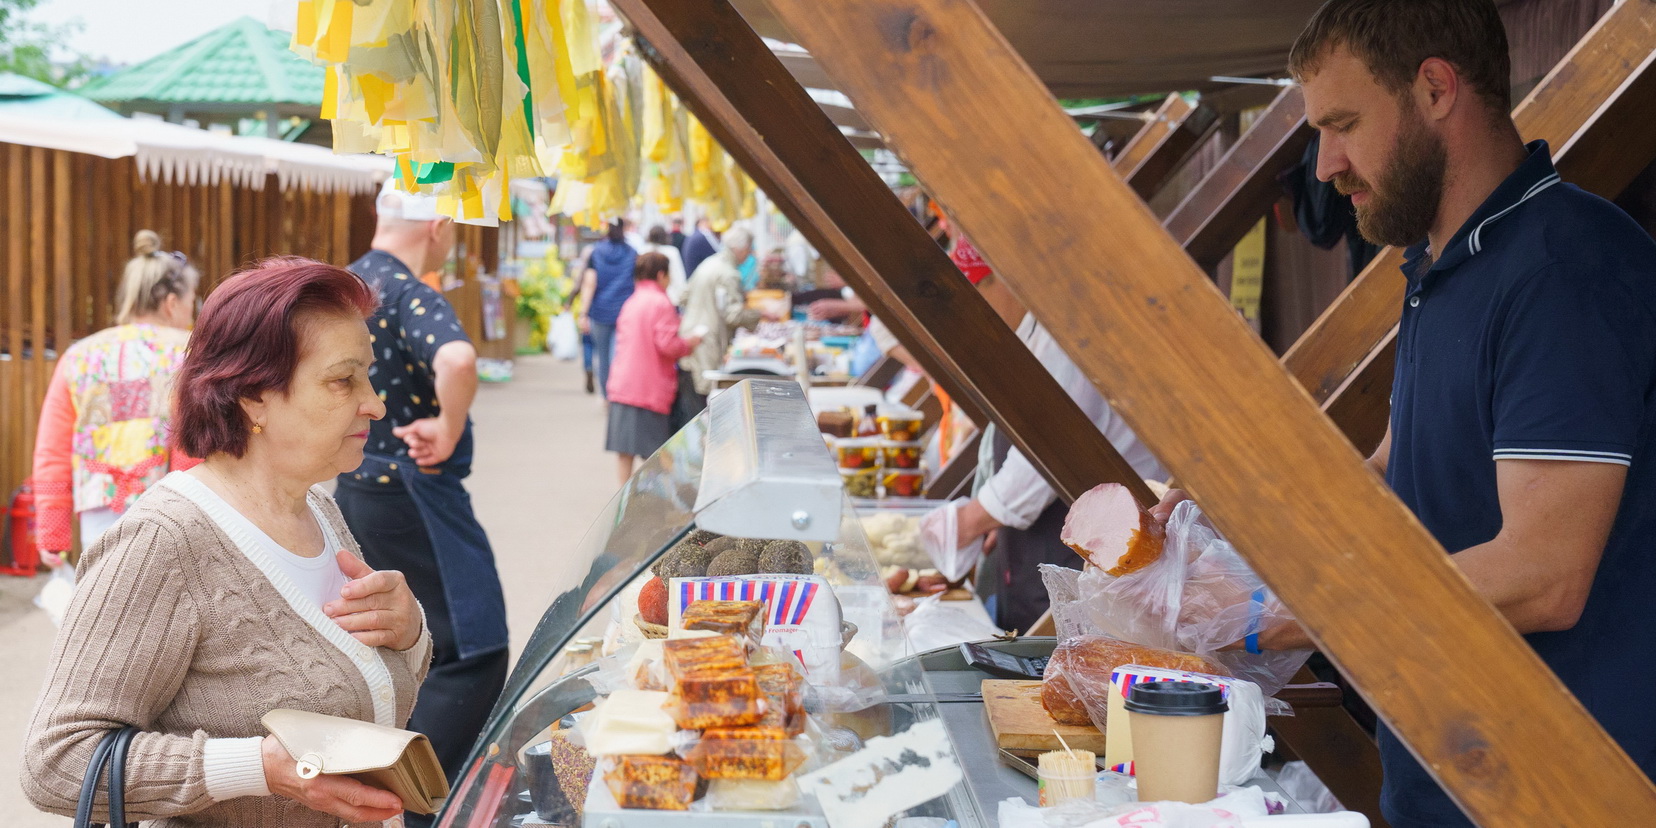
1533 336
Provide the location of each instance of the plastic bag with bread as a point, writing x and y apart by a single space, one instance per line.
1197 596
1077 679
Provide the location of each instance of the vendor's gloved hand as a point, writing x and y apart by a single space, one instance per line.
974 523
941 536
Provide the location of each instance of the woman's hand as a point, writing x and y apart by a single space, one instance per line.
340 796
376 607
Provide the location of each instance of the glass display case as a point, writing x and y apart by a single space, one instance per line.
752 467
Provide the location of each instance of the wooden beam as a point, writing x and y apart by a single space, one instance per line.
881 373
705 51
804 70
1217 408
1600 91
38 274
1361 406
13 242
63 253
1155 152
958 472
1210 221
845 116
1172 108
1338 749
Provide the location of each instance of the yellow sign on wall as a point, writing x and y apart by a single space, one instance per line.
1248 273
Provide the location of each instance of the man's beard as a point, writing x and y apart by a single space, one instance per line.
1401 210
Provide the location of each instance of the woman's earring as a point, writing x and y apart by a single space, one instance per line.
258 429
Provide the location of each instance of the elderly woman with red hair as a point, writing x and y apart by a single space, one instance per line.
235 588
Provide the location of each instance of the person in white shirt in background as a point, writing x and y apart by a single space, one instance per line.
1016 504
801 259
658 241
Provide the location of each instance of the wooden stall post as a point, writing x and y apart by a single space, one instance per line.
1215 405
760 114
12 241
63 255
38 274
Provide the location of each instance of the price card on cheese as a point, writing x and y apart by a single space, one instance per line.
802 615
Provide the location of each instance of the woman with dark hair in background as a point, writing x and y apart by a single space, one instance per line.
605 285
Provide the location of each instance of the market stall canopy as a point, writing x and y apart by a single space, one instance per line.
22 97
243 66
180 154
1109 48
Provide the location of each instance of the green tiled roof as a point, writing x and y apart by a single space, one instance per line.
244 62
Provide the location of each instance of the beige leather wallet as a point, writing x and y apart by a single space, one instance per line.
399 761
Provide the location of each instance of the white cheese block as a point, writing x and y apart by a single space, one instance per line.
629 722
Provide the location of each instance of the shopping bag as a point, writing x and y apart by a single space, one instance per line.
563 338
1200 597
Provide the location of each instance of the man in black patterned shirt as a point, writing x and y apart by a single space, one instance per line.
406 504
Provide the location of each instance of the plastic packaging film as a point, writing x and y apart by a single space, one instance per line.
468 96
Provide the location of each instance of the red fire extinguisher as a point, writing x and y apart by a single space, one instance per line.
18 553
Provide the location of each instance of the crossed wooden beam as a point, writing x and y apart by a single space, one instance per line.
1144 323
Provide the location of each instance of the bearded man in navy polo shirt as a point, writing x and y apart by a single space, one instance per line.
1523 424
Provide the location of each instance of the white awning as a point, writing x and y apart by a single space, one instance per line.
183 155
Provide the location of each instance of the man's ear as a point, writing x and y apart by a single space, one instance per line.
1436 88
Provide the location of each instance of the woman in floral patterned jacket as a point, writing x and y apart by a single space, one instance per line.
103 437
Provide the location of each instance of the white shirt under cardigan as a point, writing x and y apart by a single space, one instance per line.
234 767
1017 494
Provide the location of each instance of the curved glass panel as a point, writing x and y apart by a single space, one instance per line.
752 465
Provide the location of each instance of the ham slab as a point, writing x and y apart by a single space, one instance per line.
1109 528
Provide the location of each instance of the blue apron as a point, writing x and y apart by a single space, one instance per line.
477 607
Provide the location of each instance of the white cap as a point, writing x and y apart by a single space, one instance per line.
394 203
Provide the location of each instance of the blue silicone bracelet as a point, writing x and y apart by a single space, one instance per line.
1251 640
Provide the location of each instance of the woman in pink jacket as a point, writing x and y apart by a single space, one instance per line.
644 378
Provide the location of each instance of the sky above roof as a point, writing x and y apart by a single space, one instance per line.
129 31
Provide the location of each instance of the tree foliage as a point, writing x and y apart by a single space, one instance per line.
35 49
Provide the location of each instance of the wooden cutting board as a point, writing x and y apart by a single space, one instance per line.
1021 723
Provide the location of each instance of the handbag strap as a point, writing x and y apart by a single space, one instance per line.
114 743
117 776
89 785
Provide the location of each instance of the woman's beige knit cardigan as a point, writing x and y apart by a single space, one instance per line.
173 629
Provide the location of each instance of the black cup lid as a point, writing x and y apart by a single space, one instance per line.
1176 698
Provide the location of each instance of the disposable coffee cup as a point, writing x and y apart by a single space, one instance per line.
1177 727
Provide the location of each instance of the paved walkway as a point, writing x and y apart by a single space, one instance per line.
540 477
